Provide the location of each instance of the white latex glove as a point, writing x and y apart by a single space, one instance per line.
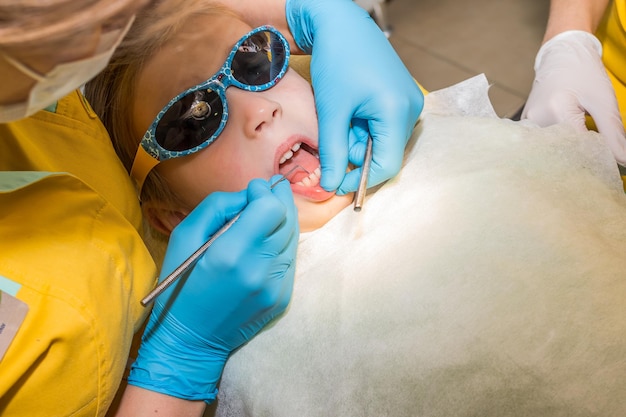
570 80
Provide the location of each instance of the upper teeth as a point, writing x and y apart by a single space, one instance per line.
289 154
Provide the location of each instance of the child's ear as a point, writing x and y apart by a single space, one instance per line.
162 218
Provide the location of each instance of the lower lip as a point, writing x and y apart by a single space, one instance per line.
314 193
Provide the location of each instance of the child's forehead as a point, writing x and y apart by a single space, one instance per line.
192 58
220 30
202 46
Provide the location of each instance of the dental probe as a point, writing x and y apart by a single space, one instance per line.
178 272
360 192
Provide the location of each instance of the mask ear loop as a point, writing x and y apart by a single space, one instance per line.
24 69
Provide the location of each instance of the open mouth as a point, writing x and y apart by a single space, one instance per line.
301 165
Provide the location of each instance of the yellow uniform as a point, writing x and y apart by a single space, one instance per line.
612 34
71 251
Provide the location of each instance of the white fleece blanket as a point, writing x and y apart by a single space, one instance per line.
487 279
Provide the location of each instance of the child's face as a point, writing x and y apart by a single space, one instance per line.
262 126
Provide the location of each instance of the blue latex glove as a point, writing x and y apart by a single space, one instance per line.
360 85
242 282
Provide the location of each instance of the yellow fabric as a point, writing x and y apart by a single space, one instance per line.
71 239
612 34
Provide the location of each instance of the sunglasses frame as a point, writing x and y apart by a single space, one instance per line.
150 153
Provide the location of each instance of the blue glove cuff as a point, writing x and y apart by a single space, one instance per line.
143 378
185 368
306 17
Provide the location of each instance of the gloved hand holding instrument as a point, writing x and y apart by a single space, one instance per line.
374 95
242 282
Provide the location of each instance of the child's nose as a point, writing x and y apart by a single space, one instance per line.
253 110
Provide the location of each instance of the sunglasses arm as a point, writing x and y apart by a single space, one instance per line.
142 165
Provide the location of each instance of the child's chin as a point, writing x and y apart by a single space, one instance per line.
312 215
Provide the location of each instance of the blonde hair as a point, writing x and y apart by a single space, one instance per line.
24 22
111 92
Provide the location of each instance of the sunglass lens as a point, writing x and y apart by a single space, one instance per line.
260 59
190 121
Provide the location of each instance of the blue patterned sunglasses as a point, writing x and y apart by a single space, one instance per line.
192 120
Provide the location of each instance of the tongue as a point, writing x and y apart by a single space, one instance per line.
306 162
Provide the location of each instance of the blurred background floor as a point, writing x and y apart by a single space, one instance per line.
443 42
